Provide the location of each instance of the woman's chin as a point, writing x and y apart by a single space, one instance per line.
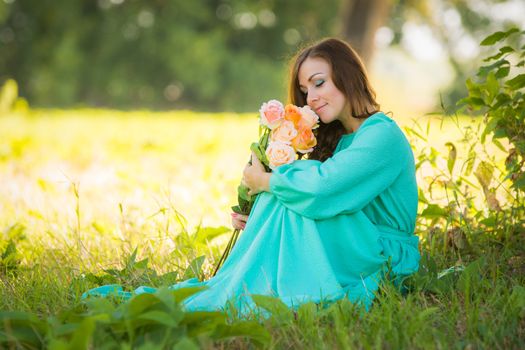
326 119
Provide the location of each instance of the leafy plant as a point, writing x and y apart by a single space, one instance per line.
133 274
498 94
147 320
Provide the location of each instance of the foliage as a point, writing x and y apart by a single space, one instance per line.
207 55
499 95
456 26
466 204
203 55
133 274
146 321
471 194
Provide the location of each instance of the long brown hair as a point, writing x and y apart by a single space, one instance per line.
349 76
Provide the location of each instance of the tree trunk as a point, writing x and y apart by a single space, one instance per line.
361 19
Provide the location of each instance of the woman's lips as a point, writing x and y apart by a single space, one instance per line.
319 108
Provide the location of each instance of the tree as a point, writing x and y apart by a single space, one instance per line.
361 19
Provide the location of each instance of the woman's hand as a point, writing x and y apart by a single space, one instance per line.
239 221
255 177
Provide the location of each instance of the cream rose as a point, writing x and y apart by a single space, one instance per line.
285 132
279 153
309 119
271 112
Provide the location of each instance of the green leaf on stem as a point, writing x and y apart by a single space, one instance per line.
452 153
237 209
434 211
498 36
517 82
483 71
194 269
502 51
259 152
243 193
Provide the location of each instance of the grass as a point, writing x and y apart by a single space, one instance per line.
91 197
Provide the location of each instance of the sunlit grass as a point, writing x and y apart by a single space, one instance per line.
102 182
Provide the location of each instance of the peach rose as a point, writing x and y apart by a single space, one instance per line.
285 132
279 153
305 141
309 119
271 112
292 113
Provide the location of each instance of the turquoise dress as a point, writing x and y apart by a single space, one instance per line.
325 230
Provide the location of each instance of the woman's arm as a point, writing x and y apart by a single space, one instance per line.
349 180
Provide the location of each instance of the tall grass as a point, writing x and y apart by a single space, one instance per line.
100 197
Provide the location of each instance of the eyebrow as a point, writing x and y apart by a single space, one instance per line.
311 76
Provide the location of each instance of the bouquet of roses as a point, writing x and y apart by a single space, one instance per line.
285 134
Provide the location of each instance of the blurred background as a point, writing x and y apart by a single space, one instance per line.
230 55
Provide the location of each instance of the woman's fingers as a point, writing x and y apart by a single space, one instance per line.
256 161
243 217
240 217
238 225
239 221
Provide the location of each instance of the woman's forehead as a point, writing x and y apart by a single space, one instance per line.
311 66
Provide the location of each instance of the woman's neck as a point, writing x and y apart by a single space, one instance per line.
351 124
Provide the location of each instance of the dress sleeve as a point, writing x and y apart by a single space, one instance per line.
347 181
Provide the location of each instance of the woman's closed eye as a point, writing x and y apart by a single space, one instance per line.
317 83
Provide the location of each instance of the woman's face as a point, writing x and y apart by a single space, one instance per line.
315 80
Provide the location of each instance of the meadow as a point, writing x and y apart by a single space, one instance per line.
89 197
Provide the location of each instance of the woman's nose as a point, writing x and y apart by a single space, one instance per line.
311 97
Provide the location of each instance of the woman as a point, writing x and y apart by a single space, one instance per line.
331 226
